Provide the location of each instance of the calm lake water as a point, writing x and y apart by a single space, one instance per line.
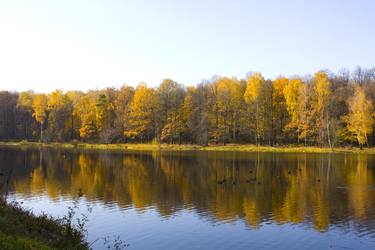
204 200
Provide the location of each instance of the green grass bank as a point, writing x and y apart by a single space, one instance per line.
191 147
21 229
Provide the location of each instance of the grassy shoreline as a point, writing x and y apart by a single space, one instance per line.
191 147
21 229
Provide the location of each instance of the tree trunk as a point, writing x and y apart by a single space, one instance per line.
41 131
257 126
72 127
234 128
328 133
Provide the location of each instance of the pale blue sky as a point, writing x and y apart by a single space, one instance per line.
84 44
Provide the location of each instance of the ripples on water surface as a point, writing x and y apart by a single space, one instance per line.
205 200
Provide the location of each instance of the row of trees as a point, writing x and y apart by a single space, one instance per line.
323 109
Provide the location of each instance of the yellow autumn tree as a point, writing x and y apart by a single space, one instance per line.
40 110
187 111
252 97
84 110
88 128
122 108
59 118
361 116
142 111
105 114
279 103
170 97
322 96
25 100
295 101
228 99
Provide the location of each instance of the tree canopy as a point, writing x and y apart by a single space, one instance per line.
325 109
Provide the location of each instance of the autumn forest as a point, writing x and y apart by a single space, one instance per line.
324 109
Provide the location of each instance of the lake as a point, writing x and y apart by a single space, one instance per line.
203 200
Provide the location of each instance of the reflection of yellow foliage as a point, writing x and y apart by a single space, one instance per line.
53 190
37 180
319 203
359 181
138 182
251 214
291 209
289 191
321 220
228 205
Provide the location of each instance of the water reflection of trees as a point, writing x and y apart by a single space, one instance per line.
285 188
